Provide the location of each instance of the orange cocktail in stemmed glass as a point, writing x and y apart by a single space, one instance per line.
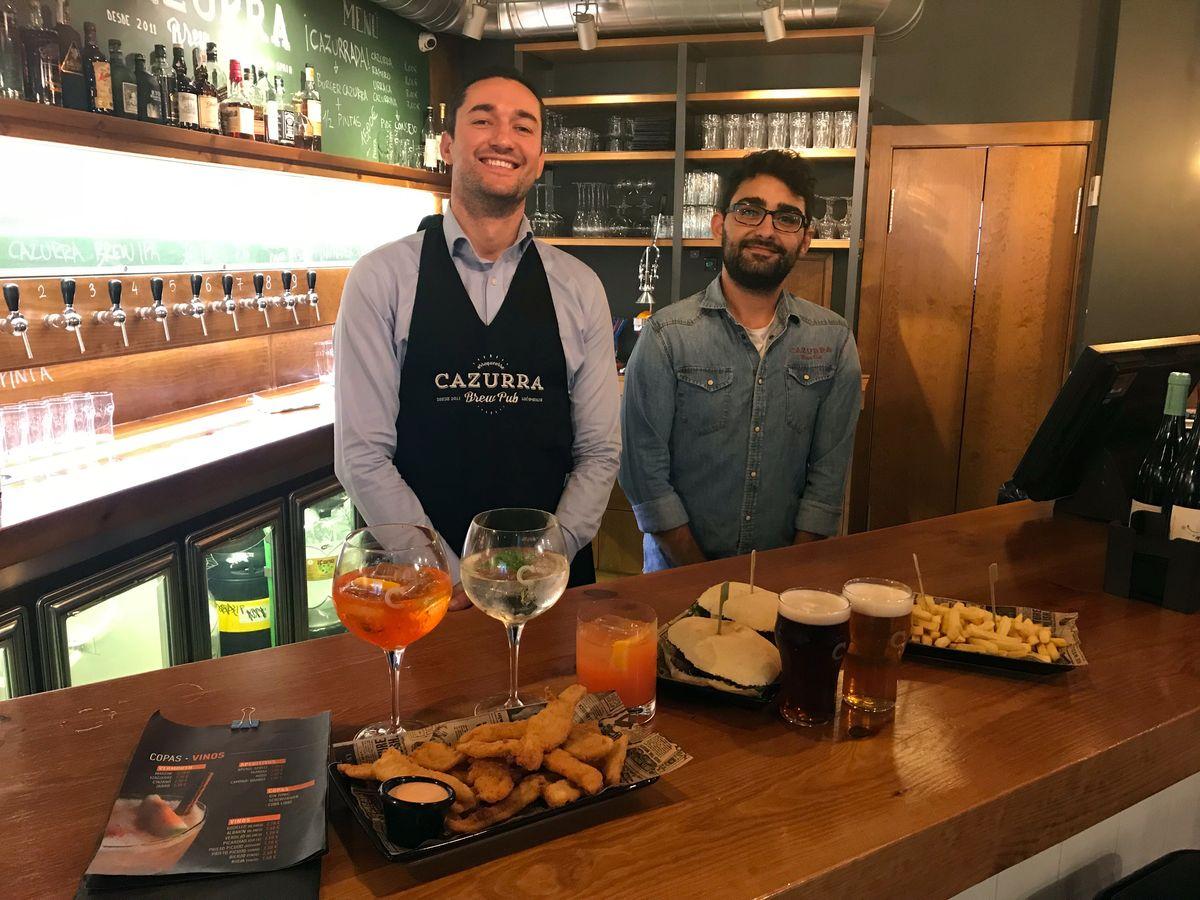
391 587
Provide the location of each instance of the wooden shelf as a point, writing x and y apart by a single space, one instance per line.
68 126
664 243
594 100
601 156
747 43
817 244
736 100
807 153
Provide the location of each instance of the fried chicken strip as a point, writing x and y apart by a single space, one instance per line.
560 793
529 790
615 762
438 756
490 749
392 763
495 731
560 762
491 779
585 742
549 728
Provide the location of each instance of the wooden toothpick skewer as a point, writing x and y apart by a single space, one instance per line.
753 560
993 577
721 605
920 580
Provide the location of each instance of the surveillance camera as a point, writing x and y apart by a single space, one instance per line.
426 41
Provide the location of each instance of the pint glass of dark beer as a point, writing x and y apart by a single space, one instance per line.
811 632
880 620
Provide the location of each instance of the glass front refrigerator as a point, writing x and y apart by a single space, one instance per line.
236 584
16 661
320 517
123 620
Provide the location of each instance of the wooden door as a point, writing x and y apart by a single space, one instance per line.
1023 303
924 329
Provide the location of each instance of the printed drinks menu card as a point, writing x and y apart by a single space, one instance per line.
216 800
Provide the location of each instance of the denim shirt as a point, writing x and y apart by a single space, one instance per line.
746 449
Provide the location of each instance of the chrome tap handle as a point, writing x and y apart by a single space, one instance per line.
289 299
226 304
260 302
195 308
70 319
15 322
115 315
312 293
158 311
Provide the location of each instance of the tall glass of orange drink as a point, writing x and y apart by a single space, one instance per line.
616 649
391 587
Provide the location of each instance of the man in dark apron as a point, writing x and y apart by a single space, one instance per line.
474 366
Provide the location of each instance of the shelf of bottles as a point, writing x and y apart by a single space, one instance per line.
44 60
50 321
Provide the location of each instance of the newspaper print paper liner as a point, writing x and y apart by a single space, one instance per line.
668 671
1061 624
649 757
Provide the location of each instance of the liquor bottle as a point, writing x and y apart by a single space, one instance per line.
207 104
165 78
289 122
1184 493
307 103
430 156
271 111
149 94
124 87
216 77
39 50
237 113
258 100
1154 475
12 70
70 54
96 73
184 98
441 163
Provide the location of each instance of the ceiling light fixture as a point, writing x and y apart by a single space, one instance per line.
774 28
477 17
585 26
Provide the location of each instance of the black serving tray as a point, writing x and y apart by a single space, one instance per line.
362 797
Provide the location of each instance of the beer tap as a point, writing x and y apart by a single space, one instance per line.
114 315
14 322
288 299
194 309
258 302
157 312
311 297
227 304
68 318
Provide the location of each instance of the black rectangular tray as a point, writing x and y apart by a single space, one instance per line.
347 786
986 660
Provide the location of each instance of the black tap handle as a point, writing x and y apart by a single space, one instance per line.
12 296
312 279
68 291
227 284
258 283
114 292
286 277
156 288
197 282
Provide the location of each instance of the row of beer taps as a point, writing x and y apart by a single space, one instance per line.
116 316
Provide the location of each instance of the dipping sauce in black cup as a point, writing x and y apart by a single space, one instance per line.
414 809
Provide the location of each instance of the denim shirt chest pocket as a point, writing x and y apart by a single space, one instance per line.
807 384
702 397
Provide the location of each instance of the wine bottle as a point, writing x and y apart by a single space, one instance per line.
1154 475
1183 495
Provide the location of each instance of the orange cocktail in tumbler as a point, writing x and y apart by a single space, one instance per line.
616 649
391 587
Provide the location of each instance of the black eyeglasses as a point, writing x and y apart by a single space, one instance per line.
788 221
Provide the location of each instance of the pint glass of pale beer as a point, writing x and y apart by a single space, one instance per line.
811 632
880 620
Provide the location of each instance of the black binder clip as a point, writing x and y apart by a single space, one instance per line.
246 722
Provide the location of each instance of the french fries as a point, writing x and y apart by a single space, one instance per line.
975 630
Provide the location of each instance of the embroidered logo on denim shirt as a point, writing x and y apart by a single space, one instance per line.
811 352
489 385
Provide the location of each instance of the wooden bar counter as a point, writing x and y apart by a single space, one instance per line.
978 772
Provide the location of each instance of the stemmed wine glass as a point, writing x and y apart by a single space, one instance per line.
391 587
844 223
514 568
827 224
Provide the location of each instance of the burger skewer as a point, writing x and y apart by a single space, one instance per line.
993 577
920 580
753 560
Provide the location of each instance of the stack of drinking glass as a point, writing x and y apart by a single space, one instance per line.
701 194
823 130
37 429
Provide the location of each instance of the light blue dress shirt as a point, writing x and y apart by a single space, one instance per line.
370 339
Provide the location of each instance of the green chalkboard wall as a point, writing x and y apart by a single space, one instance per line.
374 82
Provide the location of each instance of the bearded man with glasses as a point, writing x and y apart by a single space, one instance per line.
741 401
